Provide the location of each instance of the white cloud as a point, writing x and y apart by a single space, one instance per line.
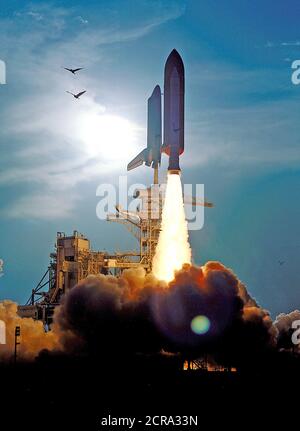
244 118
279 44
295 43
35 15
41 207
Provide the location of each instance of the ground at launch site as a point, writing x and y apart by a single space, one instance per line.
81 395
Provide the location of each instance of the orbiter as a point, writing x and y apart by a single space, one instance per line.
151 155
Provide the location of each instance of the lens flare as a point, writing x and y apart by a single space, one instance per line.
200 325
173 248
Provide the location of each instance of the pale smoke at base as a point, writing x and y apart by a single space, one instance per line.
33 337
173 249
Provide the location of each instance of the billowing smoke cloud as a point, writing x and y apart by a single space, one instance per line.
203 311
33 338
109 315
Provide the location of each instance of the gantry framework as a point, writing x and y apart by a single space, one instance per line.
73 259
144 223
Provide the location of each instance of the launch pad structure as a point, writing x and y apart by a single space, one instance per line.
73 259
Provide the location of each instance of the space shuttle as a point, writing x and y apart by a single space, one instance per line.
173 133
173 144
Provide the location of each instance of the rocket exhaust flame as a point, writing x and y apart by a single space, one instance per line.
173 248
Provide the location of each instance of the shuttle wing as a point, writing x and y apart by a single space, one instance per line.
138 160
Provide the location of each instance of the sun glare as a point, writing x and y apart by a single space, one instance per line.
108 136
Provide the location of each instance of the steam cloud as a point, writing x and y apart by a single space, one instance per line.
137 314
33 337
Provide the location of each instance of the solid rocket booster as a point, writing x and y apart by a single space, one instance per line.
173 144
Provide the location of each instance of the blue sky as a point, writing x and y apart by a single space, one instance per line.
242 129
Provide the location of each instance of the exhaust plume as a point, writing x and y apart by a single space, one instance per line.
173 248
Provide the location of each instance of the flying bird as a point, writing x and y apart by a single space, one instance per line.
281 262
73 70
76 95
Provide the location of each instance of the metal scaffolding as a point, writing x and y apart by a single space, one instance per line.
73 259
144 223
